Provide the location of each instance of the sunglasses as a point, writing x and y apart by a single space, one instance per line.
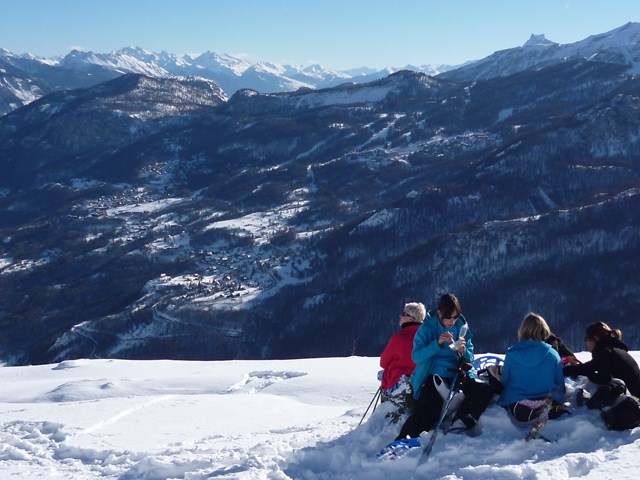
454 317
405 314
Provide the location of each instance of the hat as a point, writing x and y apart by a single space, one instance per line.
416 310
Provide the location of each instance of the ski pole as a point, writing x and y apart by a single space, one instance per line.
378 400
374 399
443 413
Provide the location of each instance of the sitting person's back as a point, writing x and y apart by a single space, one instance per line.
532 372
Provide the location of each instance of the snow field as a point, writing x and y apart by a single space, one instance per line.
278 419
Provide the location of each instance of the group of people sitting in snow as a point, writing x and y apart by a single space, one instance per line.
434 349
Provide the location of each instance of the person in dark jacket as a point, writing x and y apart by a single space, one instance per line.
566 354
609 359
396 357
532 372
442 343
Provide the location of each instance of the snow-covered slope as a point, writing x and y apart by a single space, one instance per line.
128 60
620 46
248 420
216 62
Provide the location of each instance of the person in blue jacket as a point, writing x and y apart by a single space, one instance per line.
436 359
532 372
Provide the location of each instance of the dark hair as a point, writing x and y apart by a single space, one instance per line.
448 304
601 331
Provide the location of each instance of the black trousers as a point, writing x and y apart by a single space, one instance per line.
428 407
523 413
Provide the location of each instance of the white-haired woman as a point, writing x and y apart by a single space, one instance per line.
396 359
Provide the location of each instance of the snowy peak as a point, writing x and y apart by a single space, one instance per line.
222 63
316 75
628 34
269 68
269 77
619 46
138 53
538 41
360 72
127 60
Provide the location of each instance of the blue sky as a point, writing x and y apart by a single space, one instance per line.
340 34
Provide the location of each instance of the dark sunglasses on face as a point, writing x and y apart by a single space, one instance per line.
405 314
453 317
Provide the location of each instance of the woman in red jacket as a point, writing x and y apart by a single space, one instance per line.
396 359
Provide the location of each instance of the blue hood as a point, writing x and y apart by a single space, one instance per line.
530 353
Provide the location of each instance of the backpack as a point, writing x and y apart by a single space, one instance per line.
624 414
608 394
493 376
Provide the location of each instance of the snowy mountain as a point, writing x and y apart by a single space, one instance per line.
619 46
268 77
279 419
316 75
154 218
214 62
128 60
25 78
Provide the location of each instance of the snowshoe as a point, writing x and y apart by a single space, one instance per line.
398 448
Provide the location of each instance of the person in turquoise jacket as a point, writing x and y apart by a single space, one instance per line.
442 343
532 372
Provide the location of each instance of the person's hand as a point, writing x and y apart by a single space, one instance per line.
446 337
570 360
462 345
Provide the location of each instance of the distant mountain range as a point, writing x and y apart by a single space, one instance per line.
155 216
24 78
